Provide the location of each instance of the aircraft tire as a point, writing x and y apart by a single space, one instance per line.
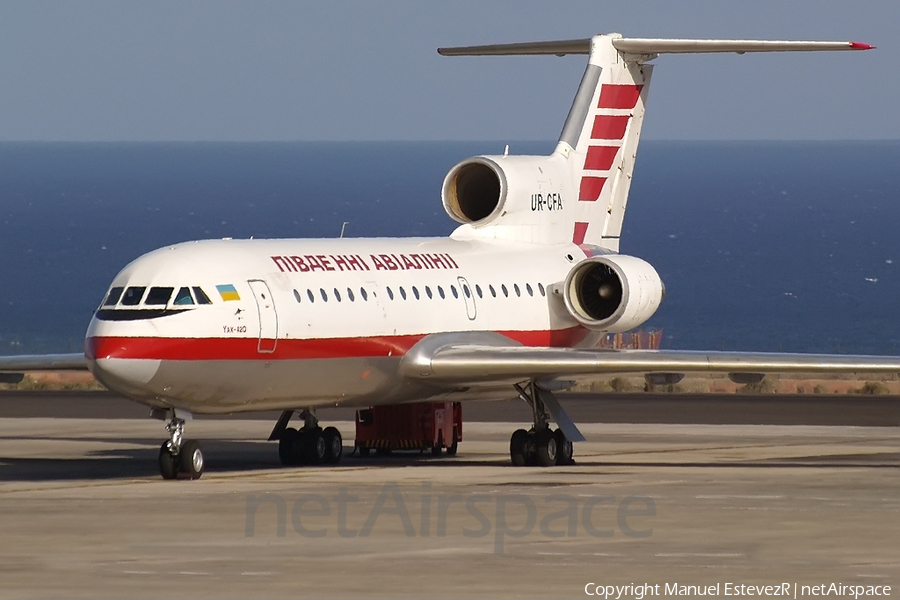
168 462
334 445
517 447
546 448
191 460
316 448
286 446
565 449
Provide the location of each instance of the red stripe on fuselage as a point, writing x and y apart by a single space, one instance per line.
161 348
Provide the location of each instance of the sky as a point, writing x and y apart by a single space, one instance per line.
179 70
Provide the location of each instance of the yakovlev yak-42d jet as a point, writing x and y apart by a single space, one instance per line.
512 303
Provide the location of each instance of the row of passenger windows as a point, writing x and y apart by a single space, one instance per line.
157 296
427 292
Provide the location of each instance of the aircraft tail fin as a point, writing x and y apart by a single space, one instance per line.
598 143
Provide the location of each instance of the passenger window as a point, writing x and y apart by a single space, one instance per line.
493 291
415 292
428 292
453 291
337 295
402 293
310 295
441 292
541 288
518 292
505 291
529 289
324 295
201 296
466 291
350 295
183 297
113 297
364 294
297 296
390 293
478 291
133 296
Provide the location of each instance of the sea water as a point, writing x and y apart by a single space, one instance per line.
765 246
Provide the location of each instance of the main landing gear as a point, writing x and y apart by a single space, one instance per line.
540 446
178 456
309 445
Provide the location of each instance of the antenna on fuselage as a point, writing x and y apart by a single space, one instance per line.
343 227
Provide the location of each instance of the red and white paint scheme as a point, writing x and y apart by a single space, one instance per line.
511 304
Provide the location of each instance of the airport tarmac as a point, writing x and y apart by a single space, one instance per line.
83 512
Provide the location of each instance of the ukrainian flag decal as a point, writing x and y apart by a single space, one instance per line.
228 292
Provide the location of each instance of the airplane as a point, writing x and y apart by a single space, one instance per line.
512 304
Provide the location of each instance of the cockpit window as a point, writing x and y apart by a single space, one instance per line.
112 298
159 296
133 296
183 297
202 298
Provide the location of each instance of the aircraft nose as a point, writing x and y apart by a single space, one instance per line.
124 375
113 366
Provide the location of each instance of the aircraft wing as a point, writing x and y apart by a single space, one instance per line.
43 362
486 357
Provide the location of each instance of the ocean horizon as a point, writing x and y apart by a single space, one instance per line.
762 245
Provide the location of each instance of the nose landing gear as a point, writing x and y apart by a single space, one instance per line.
177 456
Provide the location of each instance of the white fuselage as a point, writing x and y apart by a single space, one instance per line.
306 323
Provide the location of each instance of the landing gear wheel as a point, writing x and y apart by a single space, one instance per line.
517 447
316 448
546 448
452 448
168 462
190 459
286 446
334 445
565 449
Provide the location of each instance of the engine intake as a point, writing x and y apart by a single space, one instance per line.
613 293
474 190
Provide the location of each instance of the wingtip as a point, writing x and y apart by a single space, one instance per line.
861 46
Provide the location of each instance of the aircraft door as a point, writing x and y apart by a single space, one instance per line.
268 318
469 296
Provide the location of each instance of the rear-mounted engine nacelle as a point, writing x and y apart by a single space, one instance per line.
613 293
489 189
474 190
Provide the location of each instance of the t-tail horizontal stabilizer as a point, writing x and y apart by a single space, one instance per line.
650 46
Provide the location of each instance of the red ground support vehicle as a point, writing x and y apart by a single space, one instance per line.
419 426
